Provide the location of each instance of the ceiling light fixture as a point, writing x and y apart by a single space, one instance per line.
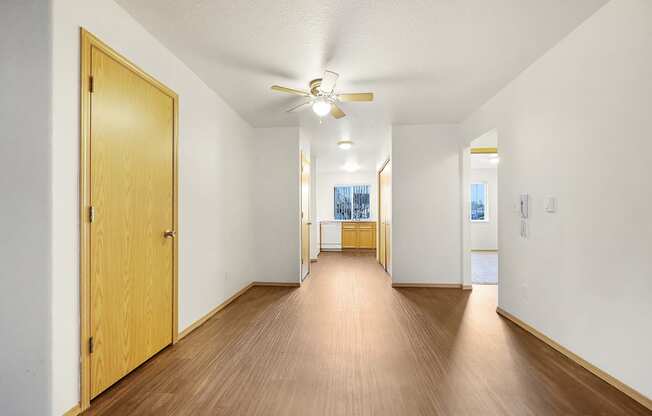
321 107
351 167
345 144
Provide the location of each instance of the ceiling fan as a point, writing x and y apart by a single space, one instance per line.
321 96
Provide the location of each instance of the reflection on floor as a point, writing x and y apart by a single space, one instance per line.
347 343
484 267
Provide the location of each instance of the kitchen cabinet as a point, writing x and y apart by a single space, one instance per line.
359 235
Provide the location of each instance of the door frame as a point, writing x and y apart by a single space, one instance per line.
89 41
465 156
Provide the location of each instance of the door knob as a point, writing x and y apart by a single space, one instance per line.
169 234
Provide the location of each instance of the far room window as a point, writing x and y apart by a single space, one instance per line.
351 202
479 202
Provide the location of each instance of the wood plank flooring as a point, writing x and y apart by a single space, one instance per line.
346 343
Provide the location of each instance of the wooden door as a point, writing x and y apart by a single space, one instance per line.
305 216
132 197
381 243
381 219
387 172
384 216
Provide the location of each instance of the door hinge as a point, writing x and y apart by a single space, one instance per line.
91 84
91 214
91 345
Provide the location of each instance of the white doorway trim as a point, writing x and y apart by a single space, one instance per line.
465 163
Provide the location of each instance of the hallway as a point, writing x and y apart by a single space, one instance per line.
346 343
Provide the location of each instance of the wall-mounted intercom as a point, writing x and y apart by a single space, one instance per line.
524 200
524 206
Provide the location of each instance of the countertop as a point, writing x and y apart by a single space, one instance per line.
369 220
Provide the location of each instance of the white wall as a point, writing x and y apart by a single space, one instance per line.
484 234
277 203
215 165
576 125
25 211
326 182
426 204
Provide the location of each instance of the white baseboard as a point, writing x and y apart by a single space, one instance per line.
430 285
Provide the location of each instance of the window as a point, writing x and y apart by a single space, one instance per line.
479 202
351 202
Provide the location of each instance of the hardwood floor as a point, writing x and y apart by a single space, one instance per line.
346 343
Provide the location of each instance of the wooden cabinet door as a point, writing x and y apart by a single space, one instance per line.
349 235
366 236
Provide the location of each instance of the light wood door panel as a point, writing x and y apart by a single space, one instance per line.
388 215
385 208
388 247
381 244
131 190
305 216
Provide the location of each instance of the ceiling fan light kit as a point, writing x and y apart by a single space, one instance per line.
321 107
322 97
345 144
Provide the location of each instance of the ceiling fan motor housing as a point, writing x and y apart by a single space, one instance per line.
314 87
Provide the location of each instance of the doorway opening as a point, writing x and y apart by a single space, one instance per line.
346 159
483 209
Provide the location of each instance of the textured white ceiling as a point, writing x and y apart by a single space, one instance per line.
427 61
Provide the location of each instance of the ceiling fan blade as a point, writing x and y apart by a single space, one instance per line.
336 111
328 81
360 96
298 107
290 90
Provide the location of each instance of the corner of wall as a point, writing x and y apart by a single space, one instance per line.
277 203
26 210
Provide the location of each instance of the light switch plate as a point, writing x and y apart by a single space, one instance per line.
550 204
